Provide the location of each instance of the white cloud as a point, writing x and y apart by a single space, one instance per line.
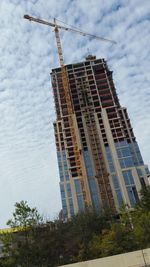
28 52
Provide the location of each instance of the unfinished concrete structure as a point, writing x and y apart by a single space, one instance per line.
99 160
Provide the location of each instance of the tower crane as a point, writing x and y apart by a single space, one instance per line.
70 110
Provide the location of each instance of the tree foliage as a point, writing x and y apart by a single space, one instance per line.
24 216
20 246
86 236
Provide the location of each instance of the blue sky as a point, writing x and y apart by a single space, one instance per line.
28 169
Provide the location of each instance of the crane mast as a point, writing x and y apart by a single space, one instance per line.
68 102
58 42
70 113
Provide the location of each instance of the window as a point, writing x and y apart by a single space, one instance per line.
70 202
88 164
126 152
147 170
122 164
64 203
69 190
77 187
128 178
143 184
96 202
126 162
60 167
121 144
61 175
115 181
62 191
71 206
80 203
123 152
111 167
130 186
89 171
67 176
136 154
119 197
117 189
119 153
93 187
139 171
65 166
72 211
133 196
59 156
109 158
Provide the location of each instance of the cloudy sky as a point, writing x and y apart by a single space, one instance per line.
28 166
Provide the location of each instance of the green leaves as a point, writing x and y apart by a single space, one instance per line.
86 236
24 216
144 204
20 243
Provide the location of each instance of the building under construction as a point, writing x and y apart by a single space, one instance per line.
100 164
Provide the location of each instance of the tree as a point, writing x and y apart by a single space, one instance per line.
24 217
141 219
119 239
86 236
84 227
20 245
144 203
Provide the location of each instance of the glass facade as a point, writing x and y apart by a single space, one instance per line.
124 154
64 206
62 166
65 188
136 154
88 164
92 182
129 156
131 188
79 194
117 189
110 160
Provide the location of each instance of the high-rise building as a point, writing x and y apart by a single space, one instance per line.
113 171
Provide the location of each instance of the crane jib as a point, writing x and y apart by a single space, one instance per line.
67 29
